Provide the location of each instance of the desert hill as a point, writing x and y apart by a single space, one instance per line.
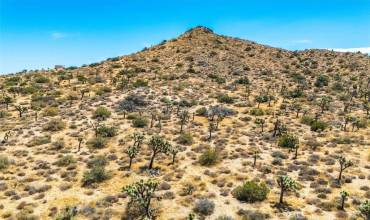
215 127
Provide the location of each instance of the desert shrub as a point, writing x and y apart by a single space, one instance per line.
36 141
139 122
225 98
67 214
42 79
209 157
139 83
4 162
185 139
287 141
54 125
102 113
65 161
132 103
365 209
224 217
99 160
51 111
58 144
97 143
307 120
201 111
105 131
251 192
96 174
252 215
318 125
321 81
256 112
103 90
220 110
204 207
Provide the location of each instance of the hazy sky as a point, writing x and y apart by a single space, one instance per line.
42 33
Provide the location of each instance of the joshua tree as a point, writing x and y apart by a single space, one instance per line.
286 184
138 139
346 120
96 125
365 209
344 164
297 108
296 151
158 145
83 92
184 118
211 128
7 100
261 123
220 118
142 193
7 136
255 156
173 151
21 110
132 152
324 103
80 139
343 195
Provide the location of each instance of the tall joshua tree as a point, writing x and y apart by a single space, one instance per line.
184 118
286 184
142 193
21 110
344 164
343 196
158 145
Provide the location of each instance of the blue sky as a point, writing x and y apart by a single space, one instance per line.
42 33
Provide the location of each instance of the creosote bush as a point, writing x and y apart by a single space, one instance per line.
209 157
185 139
204 206
65 160
96 174
102 113
97 142
139 122
54 125
251 192
4 162
287 141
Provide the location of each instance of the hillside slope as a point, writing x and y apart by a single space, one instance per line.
221 111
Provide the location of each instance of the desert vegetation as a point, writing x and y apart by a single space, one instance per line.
202 126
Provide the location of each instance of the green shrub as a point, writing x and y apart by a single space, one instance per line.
105 131
318 125
257 112
209 157
139 122
51 111
54 125
225 98
36 141
321 81
42 79
185 139
97 143
65 161
98 160
140 83
251 192
287 141
307 120
201 111
4 162
97 174
102 113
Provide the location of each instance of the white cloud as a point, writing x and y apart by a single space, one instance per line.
58 35
302 41
353 50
